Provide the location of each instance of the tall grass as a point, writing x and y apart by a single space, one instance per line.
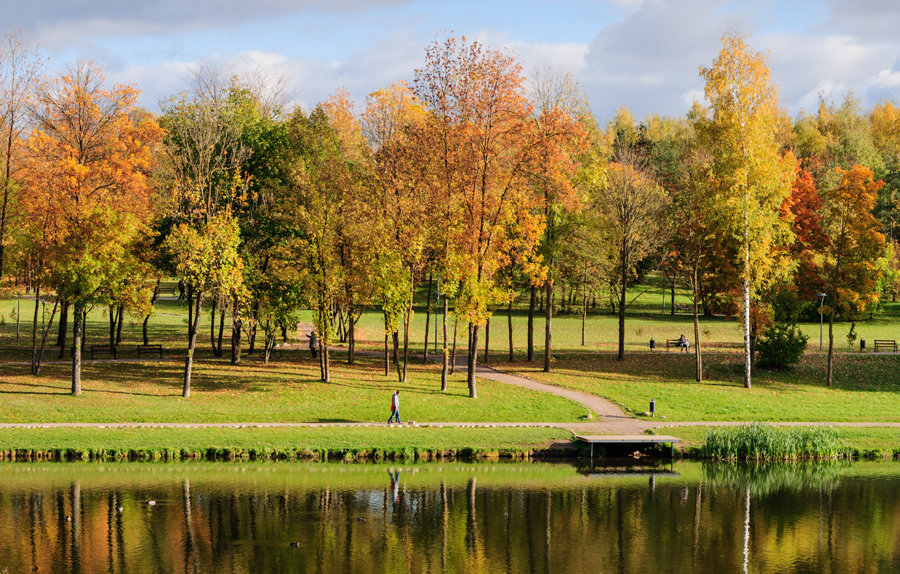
757 441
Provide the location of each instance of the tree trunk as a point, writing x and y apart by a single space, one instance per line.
219 351
672 286
548 327
620 356
212 325
152 304
748 351
472 361
236 325
453 353
698 347
352 317
830 367
428 317
583 312
531 305
36 365
83 330
387 359
326 363
195 307
268 344
396 338
487 339
63 327
77 322
444 366
387 355
253 326
112 326
34 328
121 321
509 325
406 320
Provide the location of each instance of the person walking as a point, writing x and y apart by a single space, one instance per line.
395 407
313 344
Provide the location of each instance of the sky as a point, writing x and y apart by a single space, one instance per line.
644 54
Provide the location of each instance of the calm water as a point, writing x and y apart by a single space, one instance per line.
448 518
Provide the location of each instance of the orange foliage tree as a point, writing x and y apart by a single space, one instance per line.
87 186
489 152
849 258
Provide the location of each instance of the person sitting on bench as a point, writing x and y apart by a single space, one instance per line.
683 344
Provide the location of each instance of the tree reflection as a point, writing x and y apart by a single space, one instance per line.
477 518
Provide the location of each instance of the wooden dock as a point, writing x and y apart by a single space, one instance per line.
637 440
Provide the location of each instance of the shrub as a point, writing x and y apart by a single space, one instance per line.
781 345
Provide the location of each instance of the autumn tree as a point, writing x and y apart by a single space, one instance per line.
20 66
356 250
680 163
492 151
87 172
213 128
324 176
403 206
750 175
850 267
629 205
206 258
556 96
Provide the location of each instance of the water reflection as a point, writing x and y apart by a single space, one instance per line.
448 518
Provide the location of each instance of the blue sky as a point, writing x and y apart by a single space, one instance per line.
641 53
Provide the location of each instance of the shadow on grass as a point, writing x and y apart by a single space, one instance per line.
865 372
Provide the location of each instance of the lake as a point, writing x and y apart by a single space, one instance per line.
451 517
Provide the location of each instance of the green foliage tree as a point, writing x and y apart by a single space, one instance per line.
206 258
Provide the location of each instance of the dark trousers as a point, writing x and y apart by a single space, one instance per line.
396 413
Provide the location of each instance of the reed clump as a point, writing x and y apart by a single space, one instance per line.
759 442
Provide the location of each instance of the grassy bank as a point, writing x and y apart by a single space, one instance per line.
320 443
866 387
285 391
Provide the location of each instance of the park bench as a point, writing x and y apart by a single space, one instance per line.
885 345
108 349
682 308
671 343
145 349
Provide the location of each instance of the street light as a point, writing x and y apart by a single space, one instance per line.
821 322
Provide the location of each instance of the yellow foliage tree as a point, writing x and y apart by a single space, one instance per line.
751 177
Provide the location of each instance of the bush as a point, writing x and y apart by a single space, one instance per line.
781 346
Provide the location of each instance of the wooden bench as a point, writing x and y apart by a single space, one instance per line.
143 349
108 349
671 343
682 308
885 345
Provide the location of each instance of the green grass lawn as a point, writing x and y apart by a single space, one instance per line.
866 386
285 391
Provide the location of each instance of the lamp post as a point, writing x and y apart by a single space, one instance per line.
821 321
